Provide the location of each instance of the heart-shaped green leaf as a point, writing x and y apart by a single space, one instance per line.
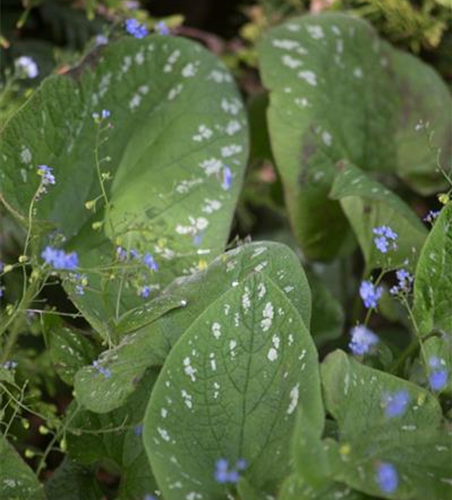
433 283
339 92
175 152
231 384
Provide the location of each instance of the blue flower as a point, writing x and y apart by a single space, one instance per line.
104 371
223 474
26 66
387 477
46 173
121 253
396 404
10 365
149 497
362 340
134 28
100 40
162 29
150 262
405 280
197 238
59 259
370 294
146 291
432 216
138 430
227 178
438 379
385 238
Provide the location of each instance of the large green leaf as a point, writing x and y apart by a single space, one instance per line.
367 205
150 343
433 283
414 442
338 92
17 480
114 439
231 384
177 121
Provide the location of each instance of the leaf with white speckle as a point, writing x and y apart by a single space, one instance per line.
234 395
168 152
414 440
339 92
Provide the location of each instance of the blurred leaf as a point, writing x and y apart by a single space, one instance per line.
433 283
17 480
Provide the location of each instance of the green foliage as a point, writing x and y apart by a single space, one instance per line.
224 394
368 204
147 351
187 201
433 285
360 105
17 480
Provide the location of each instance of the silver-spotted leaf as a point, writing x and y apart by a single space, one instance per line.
230 388
376 428
339 92
175 153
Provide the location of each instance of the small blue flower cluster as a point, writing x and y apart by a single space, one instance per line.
59 259
80 281
439 376
405 281
362 340
27 67
46 173
10 365
395 404
227 178
224 474
148 260
162 29
47 178
104 371
370 294
104 114
387 477
385 239
431 216
136 29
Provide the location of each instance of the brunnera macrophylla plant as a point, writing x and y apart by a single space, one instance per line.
198 376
